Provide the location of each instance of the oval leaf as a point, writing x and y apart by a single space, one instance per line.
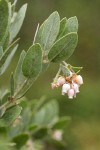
20 140
18 75
63 48
6 59
7 52
48 31
61 123
17 23
47 114
40 133
10 115
32 63
72 24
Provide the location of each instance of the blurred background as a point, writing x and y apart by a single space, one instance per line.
83 133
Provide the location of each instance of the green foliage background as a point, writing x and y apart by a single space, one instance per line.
84 130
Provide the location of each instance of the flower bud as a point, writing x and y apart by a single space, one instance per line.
78 79
61 81
65 88
75 87
71 93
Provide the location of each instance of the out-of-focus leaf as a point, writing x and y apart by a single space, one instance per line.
33 127
21 124
24 103
63 48
61 123
4 142
17 23
18 75
4 20
10 115
39 104
20 140
3 146
48 31
3 132
47 114
15 130
59 145
40 133
33 62
26 117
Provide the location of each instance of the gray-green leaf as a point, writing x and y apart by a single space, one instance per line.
65 70
6 42
7 52
63 28
5 60
36 33
63 48
33 62
72 24
17 23
4 20
48 31
47 114
18 75
10 115
4 97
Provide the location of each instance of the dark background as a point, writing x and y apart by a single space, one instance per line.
84 130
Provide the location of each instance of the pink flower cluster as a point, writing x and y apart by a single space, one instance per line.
70 85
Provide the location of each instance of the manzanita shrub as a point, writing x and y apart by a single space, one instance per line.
35 125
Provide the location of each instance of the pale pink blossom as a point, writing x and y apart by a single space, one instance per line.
78 79
61 81
71 93
75 86
65 88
